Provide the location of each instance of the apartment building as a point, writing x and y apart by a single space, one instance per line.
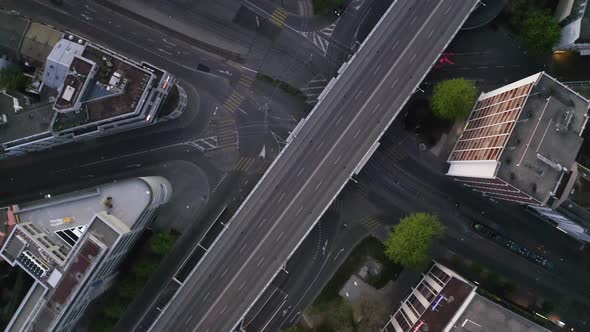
72 245
445 301
520 144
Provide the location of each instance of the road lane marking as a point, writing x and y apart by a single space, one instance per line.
319 146
298 212
280 236
357 133
413 20
188 320
412 59
394 83
242 285
337 160
243 247
339 119
260 262
394 45
252 70
222 311
281 198
448 10
163 51
319 184
224 272
206 296
260 224
376 70
300 171
359 93
430 34
376 108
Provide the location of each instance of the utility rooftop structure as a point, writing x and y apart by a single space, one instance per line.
574 18
88 91
520 142
73 244
444 301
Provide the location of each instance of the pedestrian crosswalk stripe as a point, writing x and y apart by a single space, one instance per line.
233 102
244 164
279 17
246 81
370 223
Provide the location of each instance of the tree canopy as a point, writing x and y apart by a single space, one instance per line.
540 30
410 241
12 78
453 99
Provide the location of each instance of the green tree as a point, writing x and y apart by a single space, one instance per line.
453 99
410 241
12 78
162 243
540 31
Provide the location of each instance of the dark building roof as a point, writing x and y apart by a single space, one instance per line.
545 140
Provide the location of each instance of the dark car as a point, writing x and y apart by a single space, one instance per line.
340 10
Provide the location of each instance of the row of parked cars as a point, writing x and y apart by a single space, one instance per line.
517 248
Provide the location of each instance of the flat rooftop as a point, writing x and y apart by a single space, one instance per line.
128 198
483 315
545 138
31 120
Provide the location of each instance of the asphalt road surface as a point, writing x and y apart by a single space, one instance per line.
315 166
